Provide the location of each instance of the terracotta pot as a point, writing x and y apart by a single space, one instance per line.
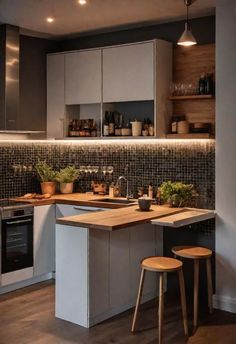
66 188
48 188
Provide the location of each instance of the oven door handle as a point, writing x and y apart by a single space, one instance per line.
18 221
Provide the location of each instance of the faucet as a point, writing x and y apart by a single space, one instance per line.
128 196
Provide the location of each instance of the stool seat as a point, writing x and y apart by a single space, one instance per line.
192 252
161 264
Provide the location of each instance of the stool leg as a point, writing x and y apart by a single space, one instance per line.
161 306
196 290
140 290
209 284
183 300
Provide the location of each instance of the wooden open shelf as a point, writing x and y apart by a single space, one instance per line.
190 136
192 97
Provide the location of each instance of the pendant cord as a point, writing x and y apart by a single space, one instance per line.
187 14
187 3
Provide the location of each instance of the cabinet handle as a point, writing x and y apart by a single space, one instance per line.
19 221
89 210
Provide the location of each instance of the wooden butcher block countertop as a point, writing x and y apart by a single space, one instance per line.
83 199
118 218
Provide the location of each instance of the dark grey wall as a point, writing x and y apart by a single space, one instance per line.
33 81
203 28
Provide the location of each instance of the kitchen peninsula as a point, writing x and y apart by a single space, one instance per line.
98 256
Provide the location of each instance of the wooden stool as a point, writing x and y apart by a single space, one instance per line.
162 265
197 253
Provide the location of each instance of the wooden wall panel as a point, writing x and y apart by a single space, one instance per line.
188 65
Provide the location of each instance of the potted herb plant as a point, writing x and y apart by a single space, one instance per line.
66 177
177 194
46 177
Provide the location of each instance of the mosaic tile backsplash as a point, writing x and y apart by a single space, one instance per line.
141 162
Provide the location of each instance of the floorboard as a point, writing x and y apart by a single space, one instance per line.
27 317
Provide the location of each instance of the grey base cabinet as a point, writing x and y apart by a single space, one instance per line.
98 271
44 239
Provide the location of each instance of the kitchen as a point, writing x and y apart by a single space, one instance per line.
82 93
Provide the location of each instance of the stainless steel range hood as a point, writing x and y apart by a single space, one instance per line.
9 80
9 77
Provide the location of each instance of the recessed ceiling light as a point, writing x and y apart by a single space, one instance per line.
50 19
82 2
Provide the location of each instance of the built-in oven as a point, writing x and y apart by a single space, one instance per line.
16 243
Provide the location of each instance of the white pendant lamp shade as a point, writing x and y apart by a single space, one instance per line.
187 39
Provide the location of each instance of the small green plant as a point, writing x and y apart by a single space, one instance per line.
177 194
45 172
67 175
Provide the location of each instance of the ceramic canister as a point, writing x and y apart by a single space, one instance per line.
136 128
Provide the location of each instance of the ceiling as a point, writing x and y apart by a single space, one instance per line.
71 18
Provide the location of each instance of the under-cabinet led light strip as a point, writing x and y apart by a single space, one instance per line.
111 141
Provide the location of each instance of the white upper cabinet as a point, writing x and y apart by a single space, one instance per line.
83 71
55 96
128 72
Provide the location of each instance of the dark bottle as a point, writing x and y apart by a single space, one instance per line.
70 128
208 84
117 116
106 124
87 128
202 84
111 124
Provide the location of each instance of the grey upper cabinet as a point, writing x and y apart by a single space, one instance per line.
55 96
128 72
83 77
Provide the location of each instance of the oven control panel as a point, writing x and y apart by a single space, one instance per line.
17 212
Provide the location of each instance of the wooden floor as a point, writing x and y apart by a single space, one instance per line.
27 317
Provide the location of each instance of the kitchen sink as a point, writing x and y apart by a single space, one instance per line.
113 200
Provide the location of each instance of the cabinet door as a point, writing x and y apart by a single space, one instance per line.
63 210
83 77
55 96
128 73
44 239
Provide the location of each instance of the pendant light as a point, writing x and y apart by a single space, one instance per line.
187 39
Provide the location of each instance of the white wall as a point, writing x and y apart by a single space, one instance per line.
225 297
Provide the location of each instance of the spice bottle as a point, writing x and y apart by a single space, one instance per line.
174 125
112 190
150 191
